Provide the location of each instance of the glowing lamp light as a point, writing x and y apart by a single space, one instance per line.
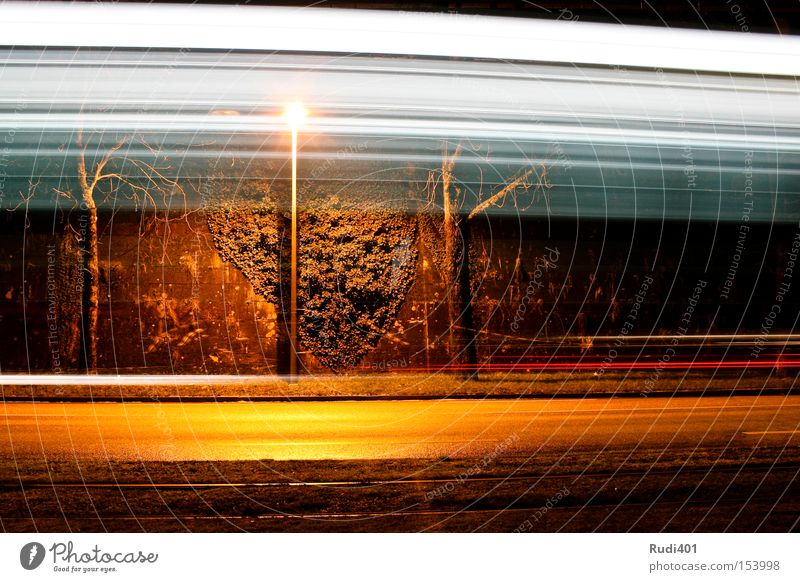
294 114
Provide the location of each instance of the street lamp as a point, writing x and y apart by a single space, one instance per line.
294 114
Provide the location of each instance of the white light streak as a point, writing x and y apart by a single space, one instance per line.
376 32
127 380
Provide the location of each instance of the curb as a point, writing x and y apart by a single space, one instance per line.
389 398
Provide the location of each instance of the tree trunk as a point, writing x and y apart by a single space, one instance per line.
90 294
465 293
283 346
91 290
462 341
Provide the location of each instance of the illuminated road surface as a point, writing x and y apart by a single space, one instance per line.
388 429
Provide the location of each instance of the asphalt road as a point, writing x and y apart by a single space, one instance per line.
389 429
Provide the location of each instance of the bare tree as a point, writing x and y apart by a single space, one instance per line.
103 174
522 191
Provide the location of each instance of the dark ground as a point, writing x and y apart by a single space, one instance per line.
681 491
614 465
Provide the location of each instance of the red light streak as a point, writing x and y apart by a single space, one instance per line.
531 364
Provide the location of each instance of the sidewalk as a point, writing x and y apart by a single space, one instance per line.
388 386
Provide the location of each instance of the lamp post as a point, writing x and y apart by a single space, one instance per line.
294 114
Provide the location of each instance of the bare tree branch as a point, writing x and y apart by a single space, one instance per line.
106 158
145 184
32 186
498 199
521 182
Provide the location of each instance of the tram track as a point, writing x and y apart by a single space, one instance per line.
38 484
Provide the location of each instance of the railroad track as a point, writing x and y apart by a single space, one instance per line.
38 484
597 500
703 514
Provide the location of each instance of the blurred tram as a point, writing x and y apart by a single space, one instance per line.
672 160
